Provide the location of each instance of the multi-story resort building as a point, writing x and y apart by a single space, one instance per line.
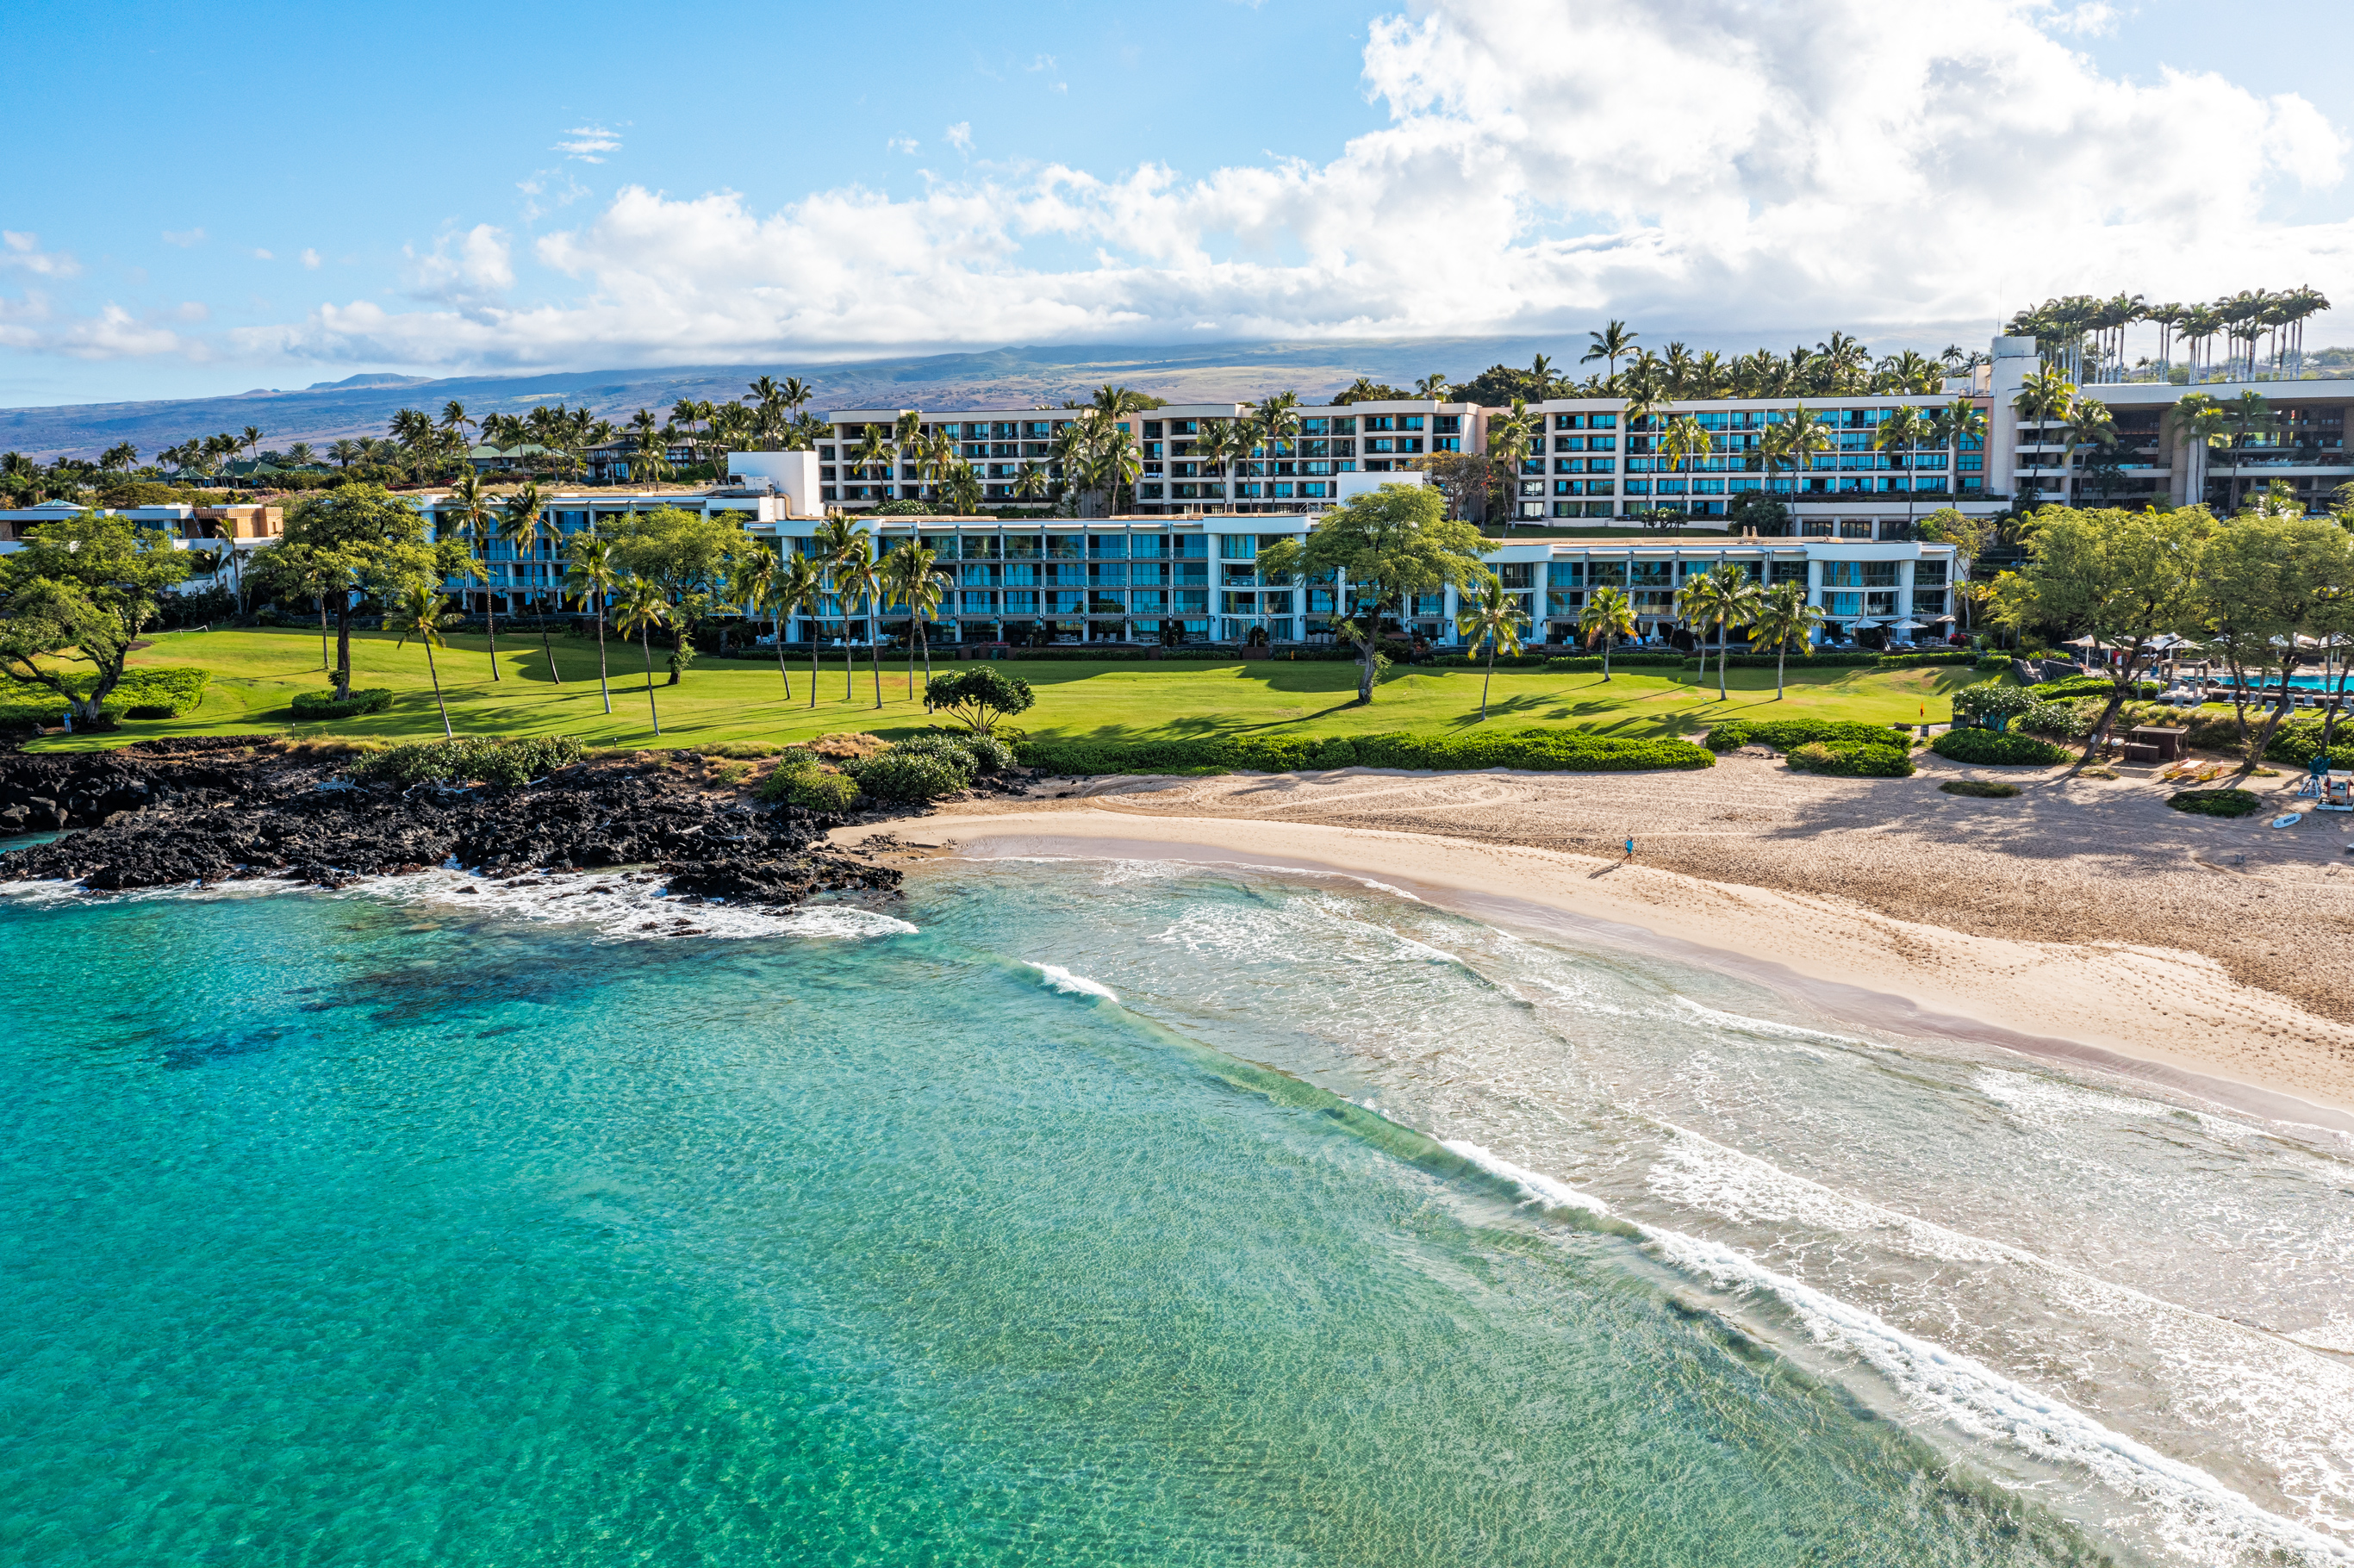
1591 489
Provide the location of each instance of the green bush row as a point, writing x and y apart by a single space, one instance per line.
477 759
1985 746
2090 686
310 708
1850 759
2298 741
1535 750
152 692
1783 735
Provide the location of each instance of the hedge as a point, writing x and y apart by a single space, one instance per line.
2298 741
310 708
1986 745
907 773
1851 760
1783 735
2090 686
150 691
475 758
1534 750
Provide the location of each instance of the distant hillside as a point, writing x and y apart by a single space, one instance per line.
1008 378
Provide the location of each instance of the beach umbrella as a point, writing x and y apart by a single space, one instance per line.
2087 640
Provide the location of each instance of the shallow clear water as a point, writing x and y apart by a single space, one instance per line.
1086 1212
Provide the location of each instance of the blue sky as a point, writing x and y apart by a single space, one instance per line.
284 195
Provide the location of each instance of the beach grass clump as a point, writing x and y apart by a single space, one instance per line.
913 773
1980 788
473 759
1847 760
1997 748
313 707
800 779
1531 750
2215 802
1786 735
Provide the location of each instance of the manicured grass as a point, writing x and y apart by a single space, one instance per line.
256 675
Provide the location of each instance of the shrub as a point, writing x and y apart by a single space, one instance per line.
798 781
2059 721
1990 699
311 706
2298 741
1849 760
977 698
1982 789
1583 664
900 774
152 692
1783 735
474 759
1535 750
2090 686
988 755
1985 746
148 711
2215 802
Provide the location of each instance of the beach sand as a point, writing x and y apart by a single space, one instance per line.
2081 918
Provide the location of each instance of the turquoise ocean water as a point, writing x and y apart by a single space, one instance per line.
1104 1211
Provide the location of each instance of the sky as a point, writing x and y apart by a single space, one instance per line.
273 195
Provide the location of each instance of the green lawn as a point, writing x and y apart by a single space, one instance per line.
256 674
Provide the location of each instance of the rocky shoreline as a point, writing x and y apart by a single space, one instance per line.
225 809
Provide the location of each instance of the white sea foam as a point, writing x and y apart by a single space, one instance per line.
1767 1026
1539 1187
621 907
1058 978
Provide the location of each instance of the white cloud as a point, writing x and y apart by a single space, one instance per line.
1685 163
311 258
264 256
1044 62
186 238
902 145
468 271
960 136
23 252
589 143
543 192
32 325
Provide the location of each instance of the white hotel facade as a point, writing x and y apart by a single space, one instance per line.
1182 565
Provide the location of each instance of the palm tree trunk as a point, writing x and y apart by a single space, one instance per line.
645 641
777 619
323 661
1606 655
344 648
490 609
875 652
1721 630
812 664
924 631
446 733
603 689
1485 679
1780 654
548 648
849 663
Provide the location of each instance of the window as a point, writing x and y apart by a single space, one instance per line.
1516 574
1928 574
1448 425
1859 573
1836 604
1238 547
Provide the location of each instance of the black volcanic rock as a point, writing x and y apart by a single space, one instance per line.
225 809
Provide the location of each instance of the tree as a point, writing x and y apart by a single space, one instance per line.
687 554
1613 342
2282 585
1379 545
1494 619
914 572
2121 577
416 611
1609 615
2086 425
752 583
366 532
1686 440
469 512
642 608
1720 597
1466 478
1768 514
964 496
800 585
1901 432
1784 621
593 576
978 698
1951 424
831 544
82 587
1508 443
1032 486
2250 417
857 574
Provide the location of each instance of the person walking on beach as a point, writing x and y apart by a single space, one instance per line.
1630 846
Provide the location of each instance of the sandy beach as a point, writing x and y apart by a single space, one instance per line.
2080 917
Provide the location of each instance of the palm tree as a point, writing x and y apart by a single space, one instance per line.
251 441
1722 598
1432 386
1805 437
1119 460
857 573
1784 621
831 542
1032 486
345 452
1496 619
2204 425
2250 417
874 451
642 608
913 572
2089 424
1608 614
1508 443
1213 448
455 424
1951 424
593 576
753 583
800 586
1901 432
418 613
963 496
1685 438
1613 342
